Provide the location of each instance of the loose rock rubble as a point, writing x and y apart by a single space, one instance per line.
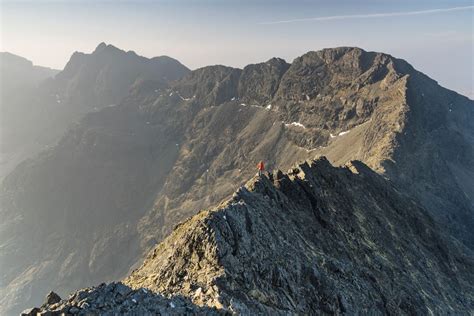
118 299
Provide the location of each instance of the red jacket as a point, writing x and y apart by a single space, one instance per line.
261 166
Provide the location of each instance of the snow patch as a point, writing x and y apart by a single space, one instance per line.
298 124
172 305
269 107
233 99
254 106
340 134
185 99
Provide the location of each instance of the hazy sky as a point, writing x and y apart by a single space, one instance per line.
434 36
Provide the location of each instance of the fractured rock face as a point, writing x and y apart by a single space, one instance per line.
316 240
52 298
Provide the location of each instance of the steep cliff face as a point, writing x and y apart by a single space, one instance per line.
434 157
258 83
317 240
418 134
130 172
336 90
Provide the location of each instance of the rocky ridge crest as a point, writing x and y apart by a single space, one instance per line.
317 239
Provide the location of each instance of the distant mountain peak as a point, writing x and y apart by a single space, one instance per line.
276 60
18 72
103 47
7 57
106 75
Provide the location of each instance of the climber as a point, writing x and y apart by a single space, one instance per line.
261 168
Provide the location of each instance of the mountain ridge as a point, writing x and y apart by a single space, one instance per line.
8 59
104 76
167 151
317 239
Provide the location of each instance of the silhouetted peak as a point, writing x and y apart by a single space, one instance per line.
103 47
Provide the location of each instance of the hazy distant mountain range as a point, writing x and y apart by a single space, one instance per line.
22 110
38 106
144 144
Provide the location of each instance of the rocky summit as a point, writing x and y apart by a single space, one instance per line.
315 240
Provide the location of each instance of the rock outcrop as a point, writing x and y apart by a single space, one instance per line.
316 240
